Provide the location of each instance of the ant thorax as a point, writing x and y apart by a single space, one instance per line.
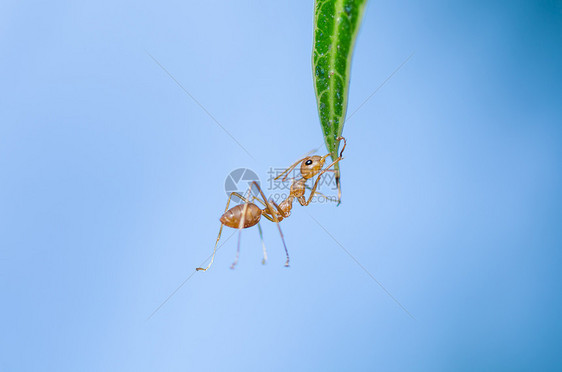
298 188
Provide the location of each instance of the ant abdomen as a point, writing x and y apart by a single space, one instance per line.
233 216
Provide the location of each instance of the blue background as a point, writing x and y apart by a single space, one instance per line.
112 182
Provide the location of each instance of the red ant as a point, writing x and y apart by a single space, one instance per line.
249 214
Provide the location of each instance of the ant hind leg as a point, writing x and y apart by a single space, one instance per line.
220 232
241 225
263 245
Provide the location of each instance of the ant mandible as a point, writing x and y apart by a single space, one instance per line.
249 214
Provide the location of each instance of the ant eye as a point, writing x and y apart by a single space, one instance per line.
308 162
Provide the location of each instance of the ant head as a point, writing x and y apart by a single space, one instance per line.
311 165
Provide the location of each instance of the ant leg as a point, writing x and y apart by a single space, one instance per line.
263 245
237 249
268 217
241 226
274 215
281 233
214 252
265 205
260 230
220 232
344 144
241 197
337 171
254 198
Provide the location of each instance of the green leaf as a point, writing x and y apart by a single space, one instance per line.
336 23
